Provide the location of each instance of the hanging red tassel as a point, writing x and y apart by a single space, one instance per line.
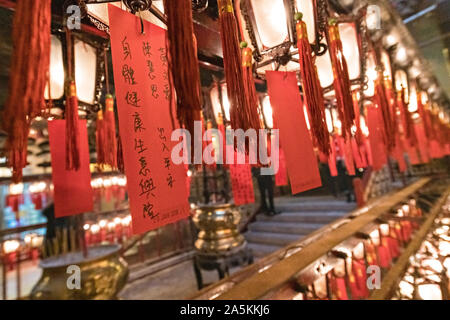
120 162
423 116
406 119
71 112
358 134
100 140
341 82
71 116
183 61
311 88
382 102
28 77
110 133
250 92
243 111
221 128
392 102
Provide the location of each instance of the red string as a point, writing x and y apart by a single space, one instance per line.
28 77
312 91
341 82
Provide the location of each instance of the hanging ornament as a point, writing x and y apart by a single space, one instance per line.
382 102
358 133
110 132
243 111
221 128
100 140
183 61
311 88
28 77
341 77
250 90
109 123
406 119
423 116
71 112
120 162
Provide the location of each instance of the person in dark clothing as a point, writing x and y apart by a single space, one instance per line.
265 186
54 223
345 181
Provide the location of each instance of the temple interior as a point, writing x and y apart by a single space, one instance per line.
224 150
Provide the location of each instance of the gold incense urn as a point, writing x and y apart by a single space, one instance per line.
218 225
102 274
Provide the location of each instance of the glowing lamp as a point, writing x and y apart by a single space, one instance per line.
270 21
308 9
401 56
85 62
325 70
267 112
391 39
372 75
102 223
401 82
219 101
95 228
329 120
386 62
351 51
10 246
430 291
56 72
350 46
412 106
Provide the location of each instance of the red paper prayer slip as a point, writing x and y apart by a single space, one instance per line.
156 186
281 176
288 113
241 183
72 189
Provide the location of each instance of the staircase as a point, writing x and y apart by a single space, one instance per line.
299 217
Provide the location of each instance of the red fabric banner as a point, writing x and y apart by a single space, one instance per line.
436 151
378 150
287 106
422 142
242 184
156 186
281 176
446 152
72 189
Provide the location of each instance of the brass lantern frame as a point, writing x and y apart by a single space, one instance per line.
283 53
100 45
